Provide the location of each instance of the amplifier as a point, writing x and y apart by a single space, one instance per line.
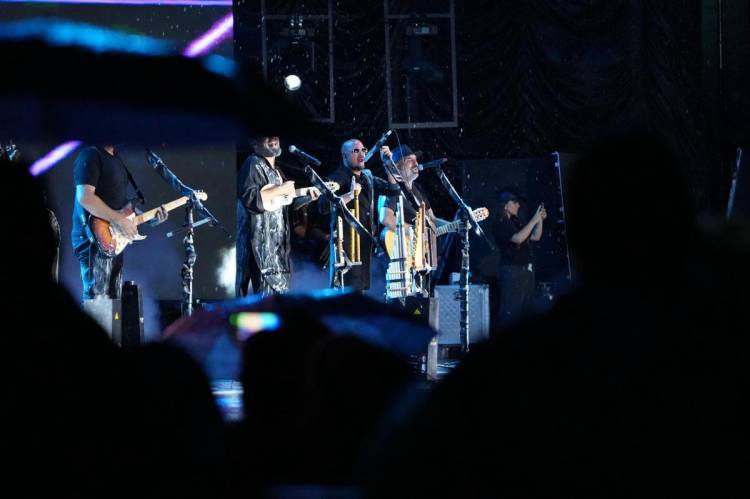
132 315
122 319
449 323
108 314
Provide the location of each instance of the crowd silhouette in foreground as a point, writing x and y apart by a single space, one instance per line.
635 384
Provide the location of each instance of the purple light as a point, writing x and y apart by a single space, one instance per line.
219 32
201 3
53 157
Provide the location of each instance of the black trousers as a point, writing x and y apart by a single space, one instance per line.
516 293
101 275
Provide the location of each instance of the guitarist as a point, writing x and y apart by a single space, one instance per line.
407 165
102 188
263 244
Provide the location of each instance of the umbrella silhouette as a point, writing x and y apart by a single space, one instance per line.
214 334
72 80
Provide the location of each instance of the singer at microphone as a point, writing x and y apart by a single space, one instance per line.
364 194
408 167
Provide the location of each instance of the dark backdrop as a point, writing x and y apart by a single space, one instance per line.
540 76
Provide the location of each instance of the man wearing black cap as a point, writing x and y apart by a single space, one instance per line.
352 172
406 163
408 167
516 270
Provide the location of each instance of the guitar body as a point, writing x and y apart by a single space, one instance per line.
389 240
419 260
426 257
110 240
276 196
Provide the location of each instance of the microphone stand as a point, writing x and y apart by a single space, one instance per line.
469 222
733 185
193 205
339 207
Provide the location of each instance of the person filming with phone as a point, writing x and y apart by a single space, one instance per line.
516 276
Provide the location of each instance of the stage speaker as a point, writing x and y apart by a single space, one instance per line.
449 321
424 309
132 315
106 313
122 318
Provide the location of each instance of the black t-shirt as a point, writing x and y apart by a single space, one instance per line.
409 213
510 252
95 166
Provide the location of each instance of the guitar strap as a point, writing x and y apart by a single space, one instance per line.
139 195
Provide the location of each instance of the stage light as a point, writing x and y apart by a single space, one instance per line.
205 43
292 82
53 157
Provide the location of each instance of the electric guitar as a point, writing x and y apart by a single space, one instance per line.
284 194
112 241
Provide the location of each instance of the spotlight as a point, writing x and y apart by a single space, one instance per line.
292 82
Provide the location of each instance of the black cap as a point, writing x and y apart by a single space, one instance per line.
402 151
509 195
259 138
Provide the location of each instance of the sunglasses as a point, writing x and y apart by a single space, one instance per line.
357 151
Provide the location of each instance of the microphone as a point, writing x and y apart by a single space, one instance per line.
378 145
432 164
302 154
153 159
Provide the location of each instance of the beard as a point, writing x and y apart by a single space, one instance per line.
356 166
269 152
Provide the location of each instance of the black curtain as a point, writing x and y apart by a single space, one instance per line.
534 76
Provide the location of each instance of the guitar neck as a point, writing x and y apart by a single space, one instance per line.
151 214
445 228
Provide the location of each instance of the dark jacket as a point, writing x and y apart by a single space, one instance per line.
263 245
358 277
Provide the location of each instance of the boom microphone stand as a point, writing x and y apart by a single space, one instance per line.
193 205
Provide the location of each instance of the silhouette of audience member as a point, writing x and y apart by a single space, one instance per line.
630 387
351 386
61 365
85 418
266 448
171 432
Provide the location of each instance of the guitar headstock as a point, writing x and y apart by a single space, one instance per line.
481 214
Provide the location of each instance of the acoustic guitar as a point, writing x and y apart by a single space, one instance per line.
275 197
388 237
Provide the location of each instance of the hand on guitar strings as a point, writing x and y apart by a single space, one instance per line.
161 216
